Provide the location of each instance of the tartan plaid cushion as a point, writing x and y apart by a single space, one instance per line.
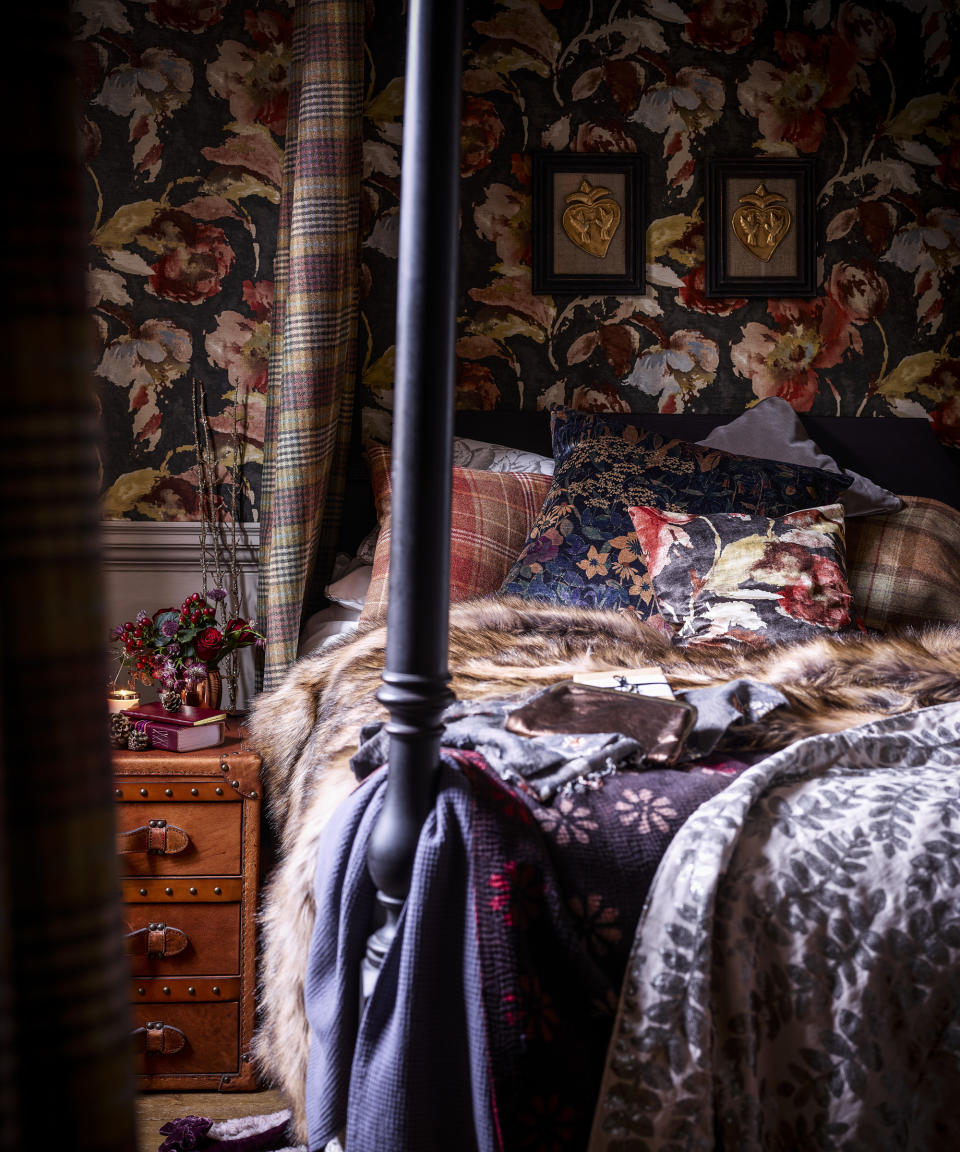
903 567
491 516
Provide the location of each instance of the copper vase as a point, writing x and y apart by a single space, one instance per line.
207 692
211 689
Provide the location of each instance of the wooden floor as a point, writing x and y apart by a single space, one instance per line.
155 1108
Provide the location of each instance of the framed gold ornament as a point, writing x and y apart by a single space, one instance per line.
760 227
588 223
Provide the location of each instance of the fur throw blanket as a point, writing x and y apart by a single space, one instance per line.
306 730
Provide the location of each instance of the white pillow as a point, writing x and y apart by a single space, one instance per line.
480 455
326 625
350 590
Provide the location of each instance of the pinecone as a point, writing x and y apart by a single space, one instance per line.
119 730
171 700
138 740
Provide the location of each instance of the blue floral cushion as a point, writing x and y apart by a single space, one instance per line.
583 550
753 579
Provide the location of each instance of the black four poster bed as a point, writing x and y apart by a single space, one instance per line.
746 938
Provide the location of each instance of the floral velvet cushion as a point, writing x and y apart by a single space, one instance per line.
583 549
756 579
491 516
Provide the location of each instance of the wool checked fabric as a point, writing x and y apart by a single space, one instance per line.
313 357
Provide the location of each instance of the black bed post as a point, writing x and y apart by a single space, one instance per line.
416 678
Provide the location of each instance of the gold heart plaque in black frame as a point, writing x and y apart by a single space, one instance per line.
760 227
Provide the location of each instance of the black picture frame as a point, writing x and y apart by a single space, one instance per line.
569 262
735 264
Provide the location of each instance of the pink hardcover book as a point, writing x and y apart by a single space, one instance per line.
184 739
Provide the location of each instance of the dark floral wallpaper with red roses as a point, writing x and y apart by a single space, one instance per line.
185 108
183 132
869 90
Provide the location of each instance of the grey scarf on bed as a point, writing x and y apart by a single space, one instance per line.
561 762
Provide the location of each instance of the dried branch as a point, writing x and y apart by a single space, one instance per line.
220 486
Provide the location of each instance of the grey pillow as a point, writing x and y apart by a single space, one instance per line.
772 430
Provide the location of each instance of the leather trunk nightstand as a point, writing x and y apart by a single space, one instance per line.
188 838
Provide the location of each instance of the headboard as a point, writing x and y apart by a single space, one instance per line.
901 454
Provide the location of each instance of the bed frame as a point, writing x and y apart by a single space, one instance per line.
900 454
416 677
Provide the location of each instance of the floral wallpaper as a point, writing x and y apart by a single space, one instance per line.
184 115
868 90
184 106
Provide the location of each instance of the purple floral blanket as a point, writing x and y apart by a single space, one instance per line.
489 1023
795 977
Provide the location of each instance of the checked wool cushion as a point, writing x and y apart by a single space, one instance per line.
491 516
902 566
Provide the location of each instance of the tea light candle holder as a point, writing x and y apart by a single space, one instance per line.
120 699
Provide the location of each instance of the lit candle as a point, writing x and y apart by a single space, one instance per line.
119 699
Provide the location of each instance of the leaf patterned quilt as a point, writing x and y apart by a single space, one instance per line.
795 976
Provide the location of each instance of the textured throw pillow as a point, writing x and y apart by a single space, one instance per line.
490 518
755 579
904 568
583 549
481 455
773 430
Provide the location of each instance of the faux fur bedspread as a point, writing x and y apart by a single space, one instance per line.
306 730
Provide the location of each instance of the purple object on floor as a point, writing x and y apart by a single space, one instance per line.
199 1134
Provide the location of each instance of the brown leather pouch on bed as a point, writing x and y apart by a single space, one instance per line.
660 726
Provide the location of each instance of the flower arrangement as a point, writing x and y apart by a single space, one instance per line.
176 647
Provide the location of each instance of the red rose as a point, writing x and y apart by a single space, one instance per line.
475 386
208 645
187 15
194 258
240 632
693 295
820 596
481 133
721 26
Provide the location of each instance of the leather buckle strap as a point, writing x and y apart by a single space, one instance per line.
156 940
157 837
158 1039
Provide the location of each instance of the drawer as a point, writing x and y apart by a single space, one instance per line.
170 839
186 1039
188 840
185 939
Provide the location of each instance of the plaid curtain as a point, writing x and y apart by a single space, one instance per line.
66 1063
313 359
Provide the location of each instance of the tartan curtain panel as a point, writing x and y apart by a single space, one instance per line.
313 356
66 1063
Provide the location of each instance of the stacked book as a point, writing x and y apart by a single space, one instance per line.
193 726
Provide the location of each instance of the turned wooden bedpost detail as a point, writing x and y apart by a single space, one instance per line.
416 678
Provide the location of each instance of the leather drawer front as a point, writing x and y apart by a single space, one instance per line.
212 938
210 1038
212 831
